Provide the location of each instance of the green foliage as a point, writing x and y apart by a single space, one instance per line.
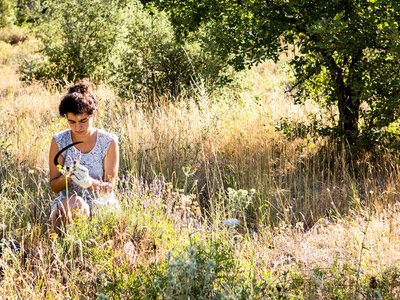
199 272
28 11
78 39
345 52
125 44
6 12
152 62
293 130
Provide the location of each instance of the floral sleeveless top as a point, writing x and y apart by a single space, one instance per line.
92 160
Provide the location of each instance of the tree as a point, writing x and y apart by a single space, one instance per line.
122 43
78 39
150 62
6 12
29 11
347 52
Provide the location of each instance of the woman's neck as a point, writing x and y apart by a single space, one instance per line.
87 138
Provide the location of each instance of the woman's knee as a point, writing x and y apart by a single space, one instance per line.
75 207
79 206
68 209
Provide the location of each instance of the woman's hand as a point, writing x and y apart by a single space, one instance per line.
81 176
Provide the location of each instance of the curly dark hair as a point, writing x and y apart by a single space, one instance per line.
78 100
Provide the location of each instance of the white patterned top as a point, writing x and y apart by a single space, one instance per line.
92 160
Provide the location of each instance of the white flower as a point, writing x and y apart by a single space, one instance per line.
231 222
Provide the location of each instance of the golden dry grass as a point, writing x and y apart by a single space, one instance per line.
312 210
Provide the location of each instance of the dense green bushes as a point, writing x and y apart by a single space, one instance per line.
150 60
125 44
78 38
28 11
6 13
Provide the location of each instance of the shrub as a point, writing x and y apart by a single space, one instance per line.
6 13
28 11
78 38
152 62
124 43
199 272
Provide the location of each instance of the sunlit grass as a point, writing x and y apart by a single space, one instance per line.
313 224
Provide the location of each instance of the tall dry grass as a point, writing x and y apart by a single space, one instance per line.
208 143
313 223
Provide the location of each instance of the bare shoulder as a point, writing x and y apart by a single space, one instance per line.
54 145
113 146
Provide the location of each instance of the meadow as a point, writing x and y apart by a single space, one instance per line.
221 199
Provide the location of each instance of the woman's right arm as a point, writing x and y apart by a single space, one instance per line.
57 180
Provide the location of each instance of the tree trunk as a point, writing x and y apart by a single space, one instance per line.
349 106
349 111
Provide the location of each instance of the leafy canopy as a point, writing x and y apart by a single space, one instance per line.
149 61
78 39
346 52
122 43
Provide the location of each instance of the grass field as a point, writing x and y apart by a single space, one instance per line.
313 224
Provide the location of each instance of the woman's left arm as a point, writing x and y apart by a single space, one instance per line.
111 165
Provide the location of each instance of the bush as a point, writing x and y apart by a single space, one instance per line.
78 38
152 62
199 272
28 11
128 45
6 13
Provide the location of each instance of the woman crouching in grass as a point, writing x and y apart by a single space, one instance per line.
86 173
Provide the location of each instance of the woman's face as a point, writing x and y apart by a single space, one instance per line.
81 124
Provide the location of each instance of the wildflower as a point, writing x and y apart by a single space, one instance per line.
10 182
231 222
108 187
51 123
186 201
300 226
